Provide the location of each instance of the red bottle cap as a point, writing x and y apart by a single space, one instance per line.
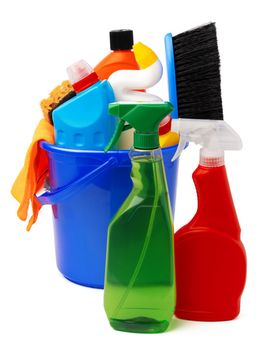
165 125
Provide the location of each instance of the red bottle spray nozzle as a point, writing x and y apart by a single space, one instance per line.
81 75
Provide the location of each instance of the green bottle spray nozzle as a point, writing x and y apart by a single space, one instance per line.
145 118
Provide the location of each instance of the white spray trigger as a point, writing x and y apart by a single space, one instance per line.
212 135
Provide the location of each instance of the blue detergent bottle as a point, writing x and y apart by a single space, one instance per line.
83 121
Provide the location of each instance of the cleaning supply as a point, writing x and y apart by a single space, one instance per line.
167 137
83 122
33 174
57 96
210 258
121 57
86 189
170 64
171 73
126 82
139 294
152 66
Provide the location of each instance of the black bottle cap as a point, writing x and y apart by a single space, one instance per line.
121 39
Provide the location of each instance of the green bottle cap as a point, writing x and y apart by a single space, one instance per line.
145 118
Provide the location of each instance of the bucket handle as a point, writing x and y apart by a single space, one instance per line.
62 193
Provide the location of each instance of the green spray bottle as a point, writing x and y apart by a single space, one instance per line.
139 293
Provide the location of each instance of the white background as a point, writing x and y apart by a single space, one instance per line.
39 309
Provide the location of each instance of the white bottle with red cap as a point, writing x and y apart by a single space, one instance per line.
83 121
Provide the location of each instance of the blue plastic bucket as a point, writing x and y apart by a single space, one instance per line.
87 189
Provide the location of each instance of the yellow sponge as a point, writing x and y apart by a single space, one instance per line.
59 95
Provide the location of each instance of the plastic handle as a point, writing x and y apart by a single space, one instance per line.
170 64
119 129
65 192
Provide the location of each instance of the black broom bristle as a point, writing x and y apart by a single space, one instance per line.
197 67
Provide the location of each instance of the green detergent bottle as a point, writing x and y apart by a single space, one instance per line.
139 293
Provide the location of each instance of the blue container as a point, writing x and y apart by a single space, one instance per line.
87 189
83 122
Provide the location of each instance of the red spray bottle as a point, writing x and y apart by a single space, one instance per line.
210 258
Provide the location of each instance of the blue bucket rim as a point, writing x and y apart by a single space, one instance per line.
70 151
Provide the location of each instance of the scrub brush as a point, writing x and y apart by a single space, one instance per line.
193 64
193 73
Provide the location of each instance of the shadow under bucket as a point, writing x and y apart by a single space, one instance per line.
87 189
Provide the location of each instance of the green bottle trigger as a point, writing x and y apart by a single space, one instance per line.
146 135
